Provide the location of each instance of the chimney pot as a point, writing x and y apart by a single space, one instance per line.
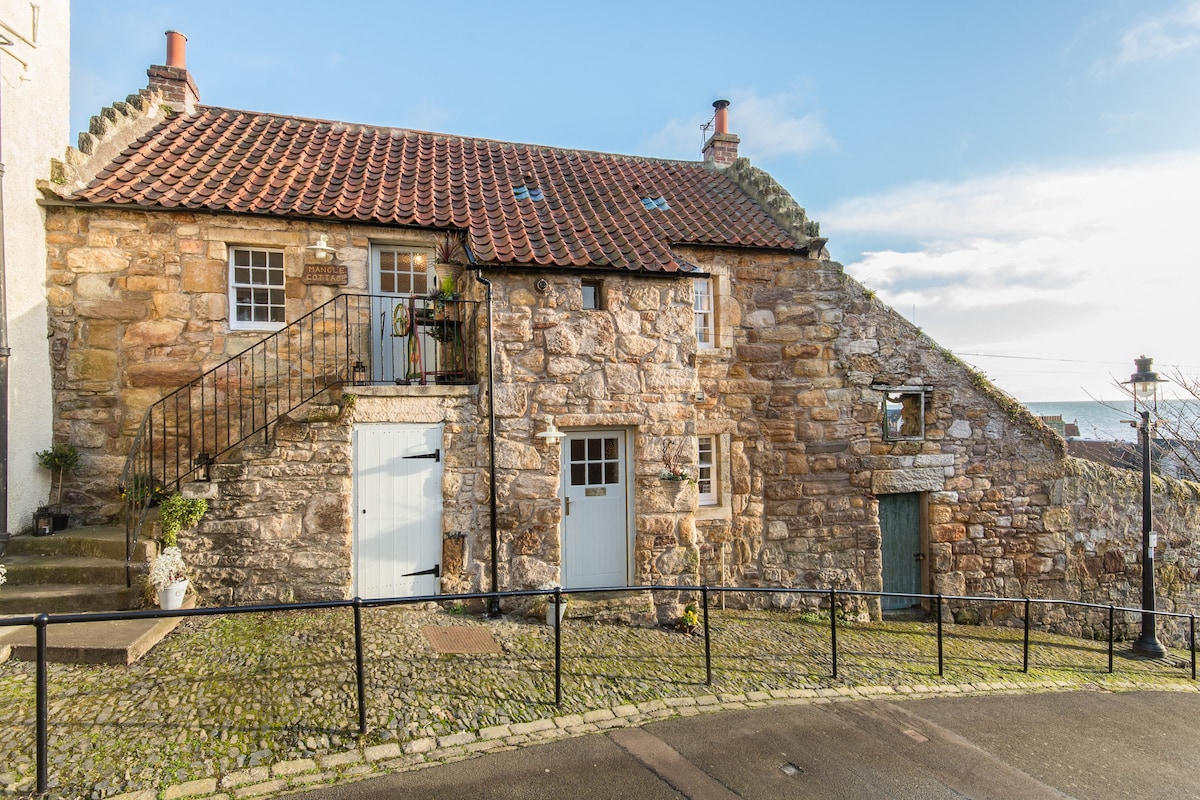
722 121
176 50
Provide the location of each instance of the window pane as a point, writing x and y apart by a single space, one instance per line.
387 283
258 258
611 473
594 474
610 448
275 260
241 258
593 451
577 474
577 446
241 275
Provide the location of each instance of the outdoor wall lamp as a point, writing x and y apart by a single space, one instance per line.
1143 385
552 435
321 250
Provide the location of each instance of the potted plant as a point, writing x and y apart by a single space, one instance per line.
444 300
449 254
168 574
59 459
673 477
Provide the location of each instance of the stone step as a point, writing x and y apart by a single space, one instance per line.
66 599
98 541
27 570
117 642
635 607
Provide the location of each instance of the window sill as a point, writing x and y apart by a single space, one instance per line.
714 514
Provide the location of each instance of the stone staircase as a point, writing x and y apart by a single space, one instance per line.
78 570
74 570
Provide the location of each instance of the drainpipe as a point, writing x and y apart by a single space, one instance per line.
493 603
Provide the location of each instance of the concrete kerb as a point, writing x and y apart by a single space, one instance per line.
361 762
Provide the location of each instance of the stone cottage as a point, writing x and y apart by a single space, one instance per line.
247 305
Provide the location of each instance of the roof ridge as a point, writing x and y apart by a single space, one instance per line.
201 107
109 133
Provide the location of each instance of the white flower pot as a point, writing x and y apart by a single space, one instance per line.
551 607
170 597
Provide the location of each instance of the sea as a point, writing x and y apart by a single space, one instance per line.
1101 420
1097 420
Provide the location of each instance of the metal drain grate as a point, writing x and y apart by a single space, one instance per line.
460 639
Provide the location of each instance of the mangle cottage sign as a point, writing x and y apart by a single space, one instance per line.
325 274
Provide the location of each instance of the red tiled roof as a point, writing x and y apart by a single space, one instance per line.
591 212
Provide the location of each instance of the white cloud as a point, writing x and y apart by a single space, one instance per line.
1163 36
1092 264
769 127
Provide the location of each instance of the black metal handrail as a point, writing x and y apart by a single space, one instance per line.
41 622
351 339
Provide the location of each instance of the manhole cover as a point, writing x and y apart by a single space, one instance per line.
460 639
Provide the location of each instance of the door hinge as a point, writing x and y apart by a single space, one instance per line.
436 455
435 571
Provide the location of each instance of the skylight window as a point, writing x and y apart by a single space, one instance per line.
525 193
656 203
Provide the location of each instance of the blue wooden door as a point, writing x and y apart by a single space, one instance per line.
900 526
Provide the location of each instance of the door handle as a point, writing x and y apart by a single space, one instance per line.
919 556
568 502
435 571
436 455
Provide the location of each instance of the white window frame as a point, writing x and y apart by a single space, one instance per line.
419 267
708 484
704 307
268 286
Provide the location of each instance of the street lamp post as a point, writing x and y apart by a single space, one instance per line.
1144 387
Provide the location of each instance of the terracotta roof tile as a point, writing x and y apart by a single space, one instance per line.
591 211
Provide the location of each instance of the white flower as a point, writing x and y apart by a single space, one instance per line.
3 574
168 568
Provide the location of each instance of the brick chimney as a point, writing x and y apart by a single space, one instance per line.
722 147
173 80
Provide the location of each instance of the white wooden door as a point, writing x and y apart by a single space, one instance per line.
399 352
397 510
595 539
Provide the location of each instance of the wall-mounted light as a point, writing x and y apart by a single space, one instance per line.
321 250
552 434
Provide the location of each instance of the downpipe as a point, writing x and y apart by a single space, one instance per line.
494 602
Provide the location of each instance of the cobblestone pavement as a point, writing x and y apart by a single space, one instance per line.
255 705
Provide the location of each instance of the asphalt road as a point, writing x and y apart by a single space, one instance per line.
1092 745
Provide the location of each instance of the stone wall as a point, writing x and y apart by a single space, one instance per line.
627 364
139 306
279 526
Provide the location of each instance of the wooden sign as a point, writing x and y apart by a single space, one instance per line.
326 274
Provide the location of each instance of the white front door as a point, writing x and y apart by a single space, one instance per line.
397 510
595 539
399 353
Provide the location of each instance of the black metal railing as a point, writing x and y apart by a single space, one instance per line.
350 340
829 600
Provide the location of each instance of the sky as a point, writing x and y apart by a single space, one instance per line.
1020 179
